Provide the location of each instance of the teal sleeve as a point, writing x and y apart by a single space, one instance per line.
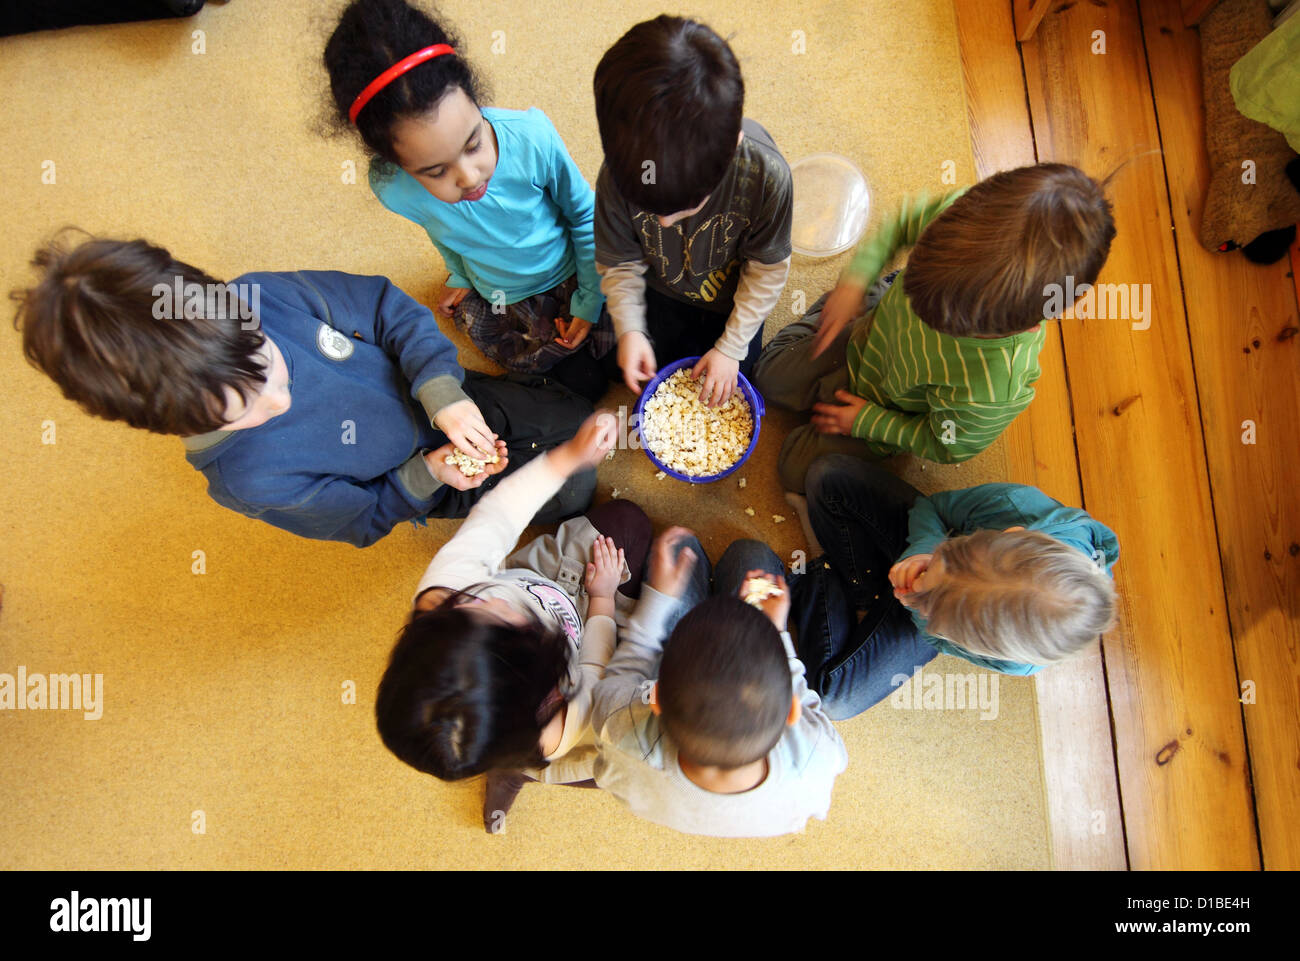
925 528
999 506
577 201
457 275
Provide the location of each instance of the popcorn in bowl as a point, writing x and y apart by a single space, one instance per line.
691 438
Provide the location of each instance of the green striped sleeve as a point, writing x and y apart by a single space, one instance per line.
947 435
900 230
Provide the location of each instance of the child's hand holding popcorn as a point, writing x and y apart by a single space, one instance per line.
775 605
453 476
603 573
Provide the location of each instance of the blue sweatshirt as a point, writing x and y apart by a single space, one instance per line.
368 369
997 507
530 232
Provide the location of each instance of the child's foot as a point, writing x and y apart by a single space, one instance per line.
502 788
800 504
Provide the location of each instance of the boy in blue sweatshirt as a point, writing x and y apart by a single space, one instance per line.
324 403
1000 575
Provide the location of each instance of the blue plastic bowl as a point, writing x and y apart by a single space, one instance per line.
752 397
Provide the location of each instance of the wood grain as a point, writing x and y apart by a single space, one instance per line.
1028 14
1243 324
1085 823
1170 665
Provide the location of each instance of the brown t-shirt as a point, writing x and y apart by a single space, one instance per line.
697 260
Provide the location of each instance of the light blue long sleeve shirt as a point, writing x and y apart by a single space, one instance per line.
530 232
996 507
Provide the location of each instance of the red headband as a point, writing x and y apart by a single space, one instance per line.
392 73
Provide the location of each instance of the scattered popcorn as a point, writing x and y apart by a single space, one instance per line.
689 437
778 519
468 465
759 589
741 485
749 511
660 475
610 455
614 492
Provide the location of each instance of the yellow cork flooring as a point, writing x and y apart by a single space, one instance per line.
222 691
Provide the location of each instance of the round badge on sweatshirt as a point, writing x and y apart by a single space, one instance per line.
333 344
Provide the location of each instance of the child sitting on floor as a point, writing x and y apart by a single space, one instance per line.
495 190
693 207
320 402
946 355
999 575
728 741
495 669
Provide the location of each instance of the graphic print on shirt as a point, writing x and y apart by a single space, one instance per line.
558 603
698 265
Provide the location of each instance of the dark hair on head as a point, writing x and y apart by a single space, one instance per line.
724 684
371 36
982 266
668 92
463 694
92 324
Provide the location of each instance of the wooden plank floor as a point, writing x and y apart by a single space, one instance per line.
1208 582
1242 320
1086 829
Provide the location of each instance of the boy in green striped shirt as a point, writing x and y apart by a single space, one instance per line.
940 357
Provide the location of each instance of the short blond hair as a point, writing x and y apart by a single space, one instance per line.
1017 596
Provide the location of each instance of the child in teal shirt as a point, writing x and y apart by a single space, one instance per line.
1000 575
496 191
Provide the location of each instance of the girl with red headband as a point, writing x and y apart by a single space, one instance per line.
495 189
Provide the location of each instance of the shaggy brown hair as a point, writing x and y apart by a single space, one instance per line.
91 324
987 264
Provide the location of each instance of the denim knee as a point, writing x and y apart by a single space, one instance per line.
826 473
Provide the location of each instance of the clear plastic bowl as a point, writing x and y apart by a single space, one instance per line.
831 205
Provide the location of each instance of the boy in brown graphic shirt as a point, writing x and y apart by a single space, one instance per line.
693 207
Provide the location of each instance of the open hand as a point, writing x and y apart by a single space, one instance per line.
450 474
604 569
588 447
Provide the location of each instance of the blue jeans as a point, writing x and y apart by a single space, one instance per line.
740 557
859 514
